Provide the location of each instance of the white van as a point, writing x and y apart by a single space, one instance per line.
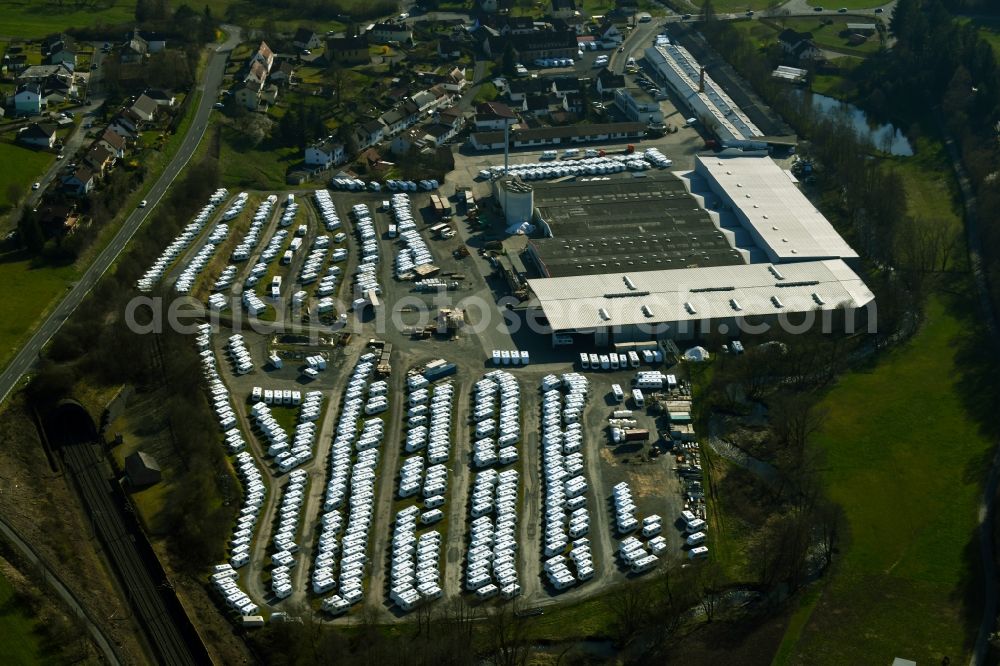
638 398
696 539
699 552
619 394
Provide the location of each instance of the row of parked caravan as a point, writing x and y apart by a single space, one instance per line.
636 555
429 417
497 418
415 571
283 540
414 252
593 164
366 274
620 361
267 255
695 529
185 281
327 211
566 516
224 580
654 379
511 357
236 207
180 243
289 454
250 239
239 355
218 392
491 559
359 477
657 158
277 396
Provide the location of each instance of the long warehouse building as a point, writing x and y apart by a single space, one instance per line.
785 259
704 97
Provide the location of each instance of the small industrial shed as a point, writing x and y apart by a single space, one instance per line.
142 470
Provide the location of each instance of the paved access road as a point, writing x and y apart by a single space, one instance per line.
211 81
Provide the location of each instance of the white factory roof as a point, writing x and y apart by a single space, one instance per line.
692 294
768 203
683 72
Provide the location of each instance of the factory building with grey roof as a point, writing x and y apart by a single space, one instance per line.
731 242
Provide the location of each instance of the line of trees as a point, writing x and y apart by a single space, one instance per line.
95 346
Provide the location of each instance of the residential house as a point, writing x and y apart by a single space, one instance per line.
144 108
401 117
155 42
58 49
125 128
56 90
609 32
494 116
574 102
539 104
38 135
135 50
564 85
427 101
348 50
514 25
28 99
452 117
449 49
563 9
99 159
248 95
325 153
264 55
306 39
607 82
638 106
282 73
438 133
518 89
80 182
38 73
369 133
161 97
15 63
114 142
404 142
389 31
269 95
531 46
455 81
257 73
798 45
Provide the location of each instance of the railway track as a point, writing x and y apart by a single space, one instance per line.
162 633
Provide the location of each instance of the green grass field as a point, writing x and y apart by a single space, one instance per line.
29 292
989 29
258 168
23 167
765 32
906 459
17 630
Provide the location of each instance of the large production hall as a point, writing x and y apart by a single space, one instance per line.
678 254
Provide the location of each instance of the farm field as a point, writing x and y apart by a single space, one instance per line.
28 164
257 168
30 291
907 577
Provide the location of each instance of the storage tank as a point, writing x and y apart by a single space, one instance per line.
516 198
